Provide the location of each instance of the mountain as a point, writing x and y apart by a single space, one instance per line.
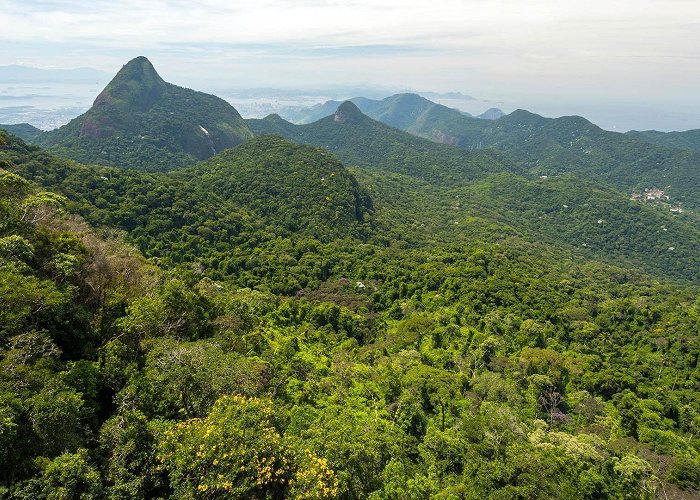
25 131
313 113
300 188
491 114
447 191
141 121
689 139
216 212
359 140
402 111
550 146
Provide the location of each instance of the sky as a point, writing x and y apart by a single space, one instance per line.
553 55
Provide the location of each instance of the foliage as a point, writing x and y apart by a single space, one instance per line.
268 349
237 451
533 144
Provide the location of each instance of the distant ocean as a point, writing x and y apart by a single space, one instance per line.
45 105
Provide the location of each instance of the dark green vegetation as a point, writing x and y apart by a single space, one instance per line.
429 322
550 146
359 140
690 139
24 131
480 191
227 214
547 146
143 122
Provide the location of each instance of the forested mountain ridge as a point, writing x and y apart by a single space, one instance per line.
398 110
141 121
217 213
486 187
406 319
24 131
689 139
360 140
307 186
550 146
411 367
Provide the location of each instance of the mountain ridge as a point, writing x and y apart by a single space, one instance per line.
549 146
358 139
141 121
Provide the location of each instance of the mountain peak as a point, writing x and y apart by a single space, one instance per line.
524 116
139 68
409 97
491 114
136 87
348 112
139 120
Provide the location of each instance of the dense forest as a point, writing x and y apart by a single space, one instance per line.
274 346
543 146
343 309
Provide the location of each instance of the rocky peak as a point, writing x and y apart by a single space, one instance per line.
348 112
137 86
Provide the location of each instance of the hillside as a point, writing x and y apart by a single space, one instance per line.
550 146
689 139
400 110
306 188
359 140
547 146
491 114
469 359
453 192
218 212
140 121
24 131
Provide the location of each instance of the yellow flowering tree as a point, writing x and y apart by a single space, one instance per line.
236 451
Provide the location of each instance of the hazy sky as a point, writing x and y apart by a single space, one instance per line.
637 51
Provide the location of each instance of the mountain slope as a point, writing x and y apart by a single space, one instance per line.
359 140
450 194
401 111
143 122
595 220
302 188
491 114
468 367
548 146
689 139
24 131
221 213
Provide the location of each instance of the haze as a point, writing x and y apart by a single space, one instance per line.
605 60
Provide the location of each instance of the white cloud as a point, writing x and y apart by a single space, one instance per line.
638 48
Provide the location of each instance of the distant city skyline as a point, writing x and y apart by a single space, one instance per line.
554 57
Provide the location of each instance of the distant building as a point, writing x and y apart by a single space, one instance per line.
650 194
